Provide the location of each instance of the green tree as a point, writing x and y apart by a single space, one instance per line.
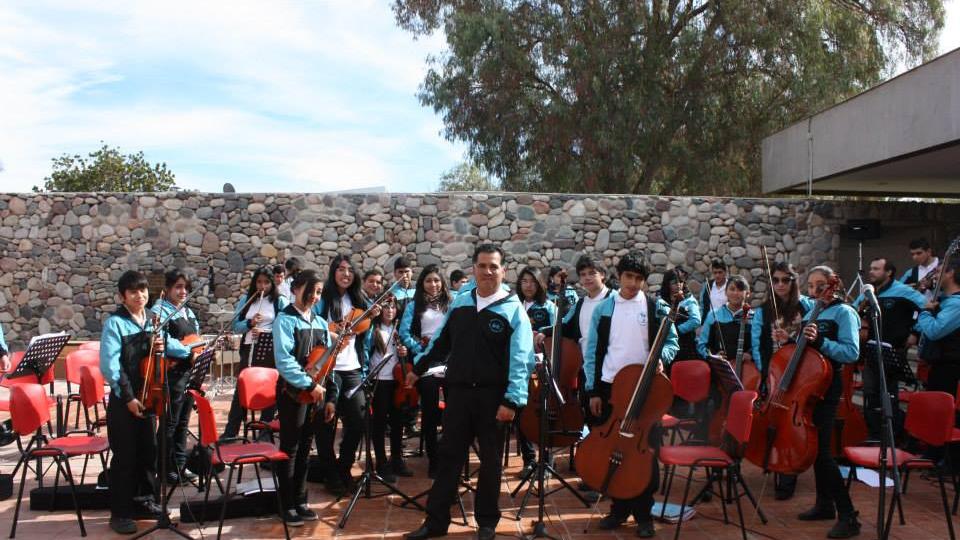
653 96
467 177
107 170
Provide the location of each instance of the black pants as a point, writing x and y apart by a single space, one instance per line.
471 414
133 465
297 426
639 507
235 416
351 413
831 491
527 451
178 415
431 415
385 412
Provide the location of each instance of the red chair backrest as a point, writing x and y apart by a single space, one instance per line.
691 380
257 387
205 418
15 358
91 385
740 415
28 407
79 358
930 417
90 346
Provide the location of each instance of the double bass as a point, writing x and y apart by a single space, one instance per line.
617 457
784 438
564 420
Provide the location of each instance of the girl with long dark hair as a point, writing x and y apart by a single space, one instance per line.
431 300
256 310
386 345
341 298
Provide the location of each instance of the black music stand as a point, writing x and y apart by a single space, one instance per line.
41 354
724 373
894 364
539 473
200 369
262 351
365 485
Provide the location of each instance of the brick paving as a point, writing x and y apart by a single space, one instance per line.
566 518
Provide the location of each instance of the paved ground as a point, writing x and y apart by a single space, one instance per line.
566 517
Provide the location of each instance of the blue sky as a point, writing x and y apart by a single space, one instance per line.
270 96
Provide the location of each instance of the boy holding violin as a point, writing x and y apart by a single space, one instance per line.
125 343
622 329
182 323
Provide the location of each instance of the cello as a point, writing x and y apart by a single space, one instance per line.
784 438
564 420
617 457
746 371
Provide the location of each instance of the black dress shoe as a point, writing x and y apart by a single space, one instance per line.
305 513
386 474
611 522
123 525
423 533
147 509
486 533
818 513
292 518
645 529
845 527
400 469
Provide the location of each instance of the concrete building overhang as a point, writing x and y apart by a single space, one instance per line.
901 137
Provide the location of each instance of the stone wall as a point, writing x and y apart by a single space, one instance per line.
60 254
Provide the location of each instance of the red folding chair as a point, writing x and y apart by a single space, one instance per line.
29 412
92 395
930 420
257 388
718 461
233 455
74 361
89 346
691 382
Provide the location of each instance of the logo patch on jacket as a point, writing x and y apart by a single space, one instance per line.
539 316
495 326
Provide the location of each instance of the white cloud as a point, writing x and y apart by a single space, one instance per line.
312 95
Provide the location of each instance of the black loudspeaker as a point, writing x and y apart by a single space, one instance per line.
6 486
89 496
256 504
864 229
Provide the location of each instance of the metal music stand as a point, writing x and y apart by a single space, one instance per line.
40 356
201 368
365 485
261 353
894 363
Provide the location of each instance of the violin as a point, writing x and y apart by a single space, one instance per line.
153 369
403 396
322 359
747 372
617 457
564 420
784 438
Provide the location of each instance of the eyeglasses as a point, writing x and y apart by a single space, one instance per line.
782 281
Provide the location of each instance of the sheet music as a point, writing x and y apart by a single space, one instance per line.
436 371
44 336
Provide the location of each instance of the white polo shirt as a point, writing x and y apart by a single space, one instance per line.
629 343
586 314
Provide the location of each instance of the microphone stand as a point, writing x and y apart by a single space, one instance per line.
887 442
365 484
